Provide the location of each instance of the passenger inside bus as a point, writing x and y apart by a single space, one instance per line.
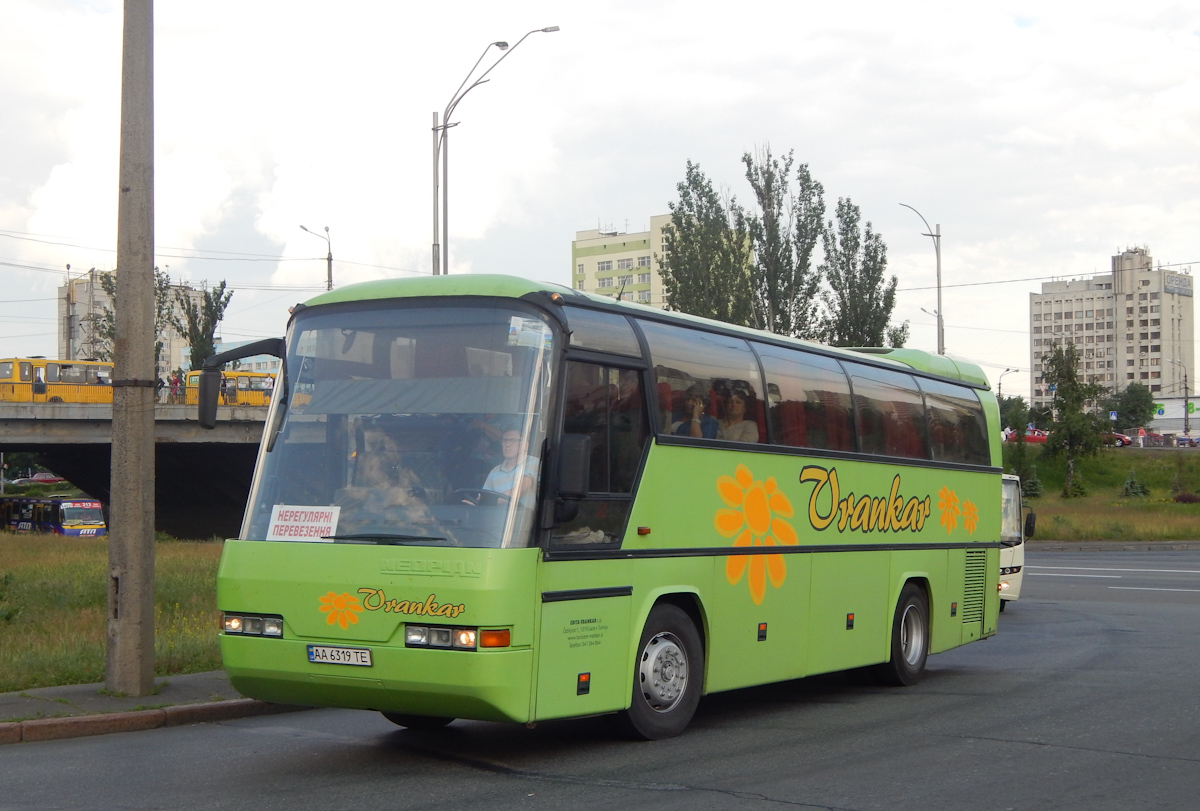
734 426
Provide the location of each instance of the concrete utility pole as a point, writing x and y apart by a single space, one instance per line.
130 652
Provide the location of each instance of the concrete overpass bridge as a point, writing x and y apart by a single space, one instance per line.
202 478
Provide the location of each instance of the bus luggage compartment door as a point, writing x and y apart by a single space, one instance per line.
583 665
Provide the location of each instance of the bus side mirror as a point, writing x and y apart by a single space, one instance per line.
1030 523
210 388
574 465
210 375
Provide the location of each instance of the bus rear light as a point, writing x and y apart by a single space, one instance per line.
495 639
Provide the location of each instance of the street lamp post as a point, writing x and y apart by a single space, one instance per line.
441 142
935 234
1000 381
328 254
1187 425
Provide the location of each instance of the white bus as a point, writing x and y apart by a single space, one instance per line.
1013 534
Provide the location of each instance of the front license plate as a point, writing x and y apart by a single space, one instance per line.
339 656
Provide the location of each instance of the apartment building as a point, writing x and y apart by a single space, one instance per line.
612 263
82 301
1134 324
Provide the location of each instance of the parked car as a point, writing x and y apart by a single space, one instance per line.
23 480
1119 440
47 478
1036 435
1184 441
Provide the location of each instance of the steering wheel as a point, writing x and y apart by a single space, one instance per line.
478 497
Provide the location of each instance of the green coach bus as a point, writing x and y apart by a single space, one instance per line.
485 497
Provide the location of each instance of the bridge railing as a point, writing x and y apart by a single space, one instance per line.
167 394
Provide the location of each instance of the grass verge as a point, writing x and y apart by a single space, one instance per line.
1104 513
53 602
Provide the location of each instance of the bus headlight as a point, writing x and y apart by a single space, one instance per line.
253 625
1003 586
441 636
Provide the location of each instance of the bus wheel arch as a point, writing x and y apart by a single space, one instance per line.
909 640
668 671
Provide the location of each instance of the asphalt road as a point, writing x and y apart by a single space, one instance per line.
1089 697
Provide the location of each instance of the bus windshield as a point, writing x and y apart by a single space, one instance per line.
1010 512
415 425
81 515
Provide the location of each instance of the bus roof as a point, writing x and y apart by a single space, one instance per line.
496 285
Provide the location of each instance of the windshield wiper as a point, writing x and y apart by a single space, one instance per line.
381 538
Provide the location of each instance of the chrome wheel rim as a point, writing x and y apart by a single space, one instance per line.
663 672
912 635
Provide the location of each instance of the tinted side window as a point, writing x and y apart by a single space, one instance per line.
603 332
698 376
809 399
889 412
957 428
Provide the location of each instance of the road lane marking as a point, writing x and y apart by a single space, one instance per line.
1147 588
1056 574
1098 569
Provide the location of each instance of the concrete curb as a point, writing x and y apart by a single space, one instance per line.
80 726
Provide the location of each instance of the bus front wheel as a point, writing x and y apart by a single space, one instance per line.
667 676
910 639
418 722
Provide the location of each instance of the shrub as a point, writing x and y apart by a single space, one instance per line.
1134 488
1187 498
1032 487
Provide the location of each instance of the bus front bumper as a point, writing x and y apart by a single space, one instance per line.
488 685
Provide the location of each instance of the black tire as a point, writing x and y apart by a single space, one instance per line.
418 722
667 676
1002 604
910 639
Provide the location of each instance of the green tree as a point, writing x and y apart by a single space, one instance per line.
1013 411
784 232
1135 407
1041 416
1074 433
199 323
706 266
104 323
859 301
1014 414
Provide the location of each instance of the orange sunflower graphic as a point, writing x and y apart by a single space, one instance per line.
342 609
948 505
970 516
755 514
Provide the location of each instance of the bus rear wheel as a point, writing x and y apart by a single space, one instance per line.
667 676
910 639
418 722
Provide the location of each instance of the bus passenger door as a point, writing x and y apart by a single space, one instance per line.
585 591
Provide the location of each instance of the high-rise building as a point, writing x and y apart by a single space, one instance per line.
82 303
612 263
1133 325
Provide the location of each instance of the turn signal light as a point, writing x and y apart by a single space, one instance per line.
495 639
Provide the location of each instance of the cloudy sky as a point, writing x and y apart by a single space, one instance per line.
1042 136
